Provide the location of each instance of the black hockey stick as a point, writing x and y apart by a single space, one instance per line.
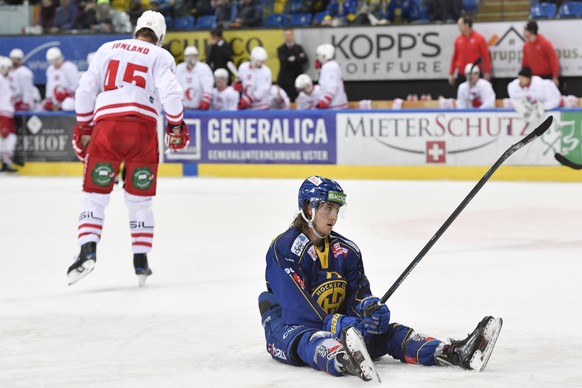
543 127
566 162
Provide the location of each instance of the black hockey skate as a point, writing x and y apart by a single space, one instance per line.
474 351
142 269
84 264
7 168
354 358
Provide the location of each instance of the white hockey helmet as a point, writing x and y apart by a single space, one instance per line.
221 74
259 54
325 52
471 69
302 82
154 21
190 50
5 65
16 54
53 54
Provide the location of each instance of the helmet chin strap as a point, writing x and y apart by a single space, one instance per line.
310 223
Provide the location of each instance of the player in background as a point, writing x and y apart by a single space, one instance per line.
224 97
331 83
531 95
62 79
196 80
7 126
24 94
309 94
475 92
117 105
279 98
256 80
317 289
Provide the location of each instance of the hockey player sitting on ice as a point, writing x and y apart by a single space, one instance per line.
7 127
531 95
224 97
279 98
256 80
331 83
318 301
475 92
25 95
122 94
196 80
62 79
308 93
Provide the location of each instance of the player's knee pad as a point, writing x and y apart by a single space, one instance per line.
282 339
319 350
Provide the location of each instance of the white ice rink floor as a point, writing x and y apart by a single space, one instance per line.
514 252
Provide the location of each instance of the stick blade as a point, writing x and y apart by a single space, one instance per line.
543 127
566 162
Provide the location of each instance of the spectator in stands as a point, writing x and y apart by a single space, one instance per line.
7 126
65 16
402 11
220 52
225 12
224 97
24 94
135 10
470 47
202 8
62 79
539 54
249 15
475 92
372 12
443 10
292 60
47 15
308 93
86 17
340 12
531 95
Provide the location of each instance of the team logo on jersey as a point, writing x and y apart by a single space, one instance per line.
299 243
330 295
103 174
338 250
142 178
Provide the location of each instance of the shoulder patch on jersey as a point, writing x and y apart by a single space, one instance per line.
312 253
299 244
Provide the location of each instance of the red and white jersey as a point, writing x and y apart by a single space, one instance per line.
279 98
196 82
22 82
308 101
62 82
6 105
129 77
256 83
480 95
226 99
539 90
331 85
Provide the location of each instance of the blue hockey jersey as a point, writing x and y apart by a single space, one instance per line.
310 283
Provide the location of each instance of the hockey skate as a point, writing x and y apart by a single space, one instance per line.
142 269
7 167
84 264
474 351
354 359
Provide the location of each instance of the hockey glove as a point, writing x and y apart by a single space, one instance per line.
376 315
81 138
244 102
338 322
48 104
61 93
203 105
237 86
317 64
177 136
323 103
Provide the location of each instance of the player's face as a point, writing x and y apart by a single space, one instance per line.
220 83
56 62
191 59
523 81
326 217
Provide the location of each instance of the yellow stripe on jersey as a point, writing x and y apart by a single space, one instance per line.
323 255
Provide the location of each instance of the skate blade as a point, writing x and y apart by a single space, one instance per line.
141 279
79 273
481 357
355 343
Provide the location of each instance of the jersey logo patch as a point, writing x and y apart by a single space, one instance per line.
299 243
103 174
330 295
142 178
312 253
338 250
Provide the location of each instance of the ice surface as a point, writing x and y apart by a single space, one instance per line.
514 252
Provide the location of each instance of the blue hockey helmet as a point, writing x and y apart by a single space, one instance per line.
317 190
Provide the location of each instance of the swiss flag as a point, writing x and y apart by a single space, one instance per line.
436 152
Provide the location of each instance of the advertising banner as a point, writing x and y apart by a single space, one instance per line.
74 48
45 137
282 137
570 144
451 138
